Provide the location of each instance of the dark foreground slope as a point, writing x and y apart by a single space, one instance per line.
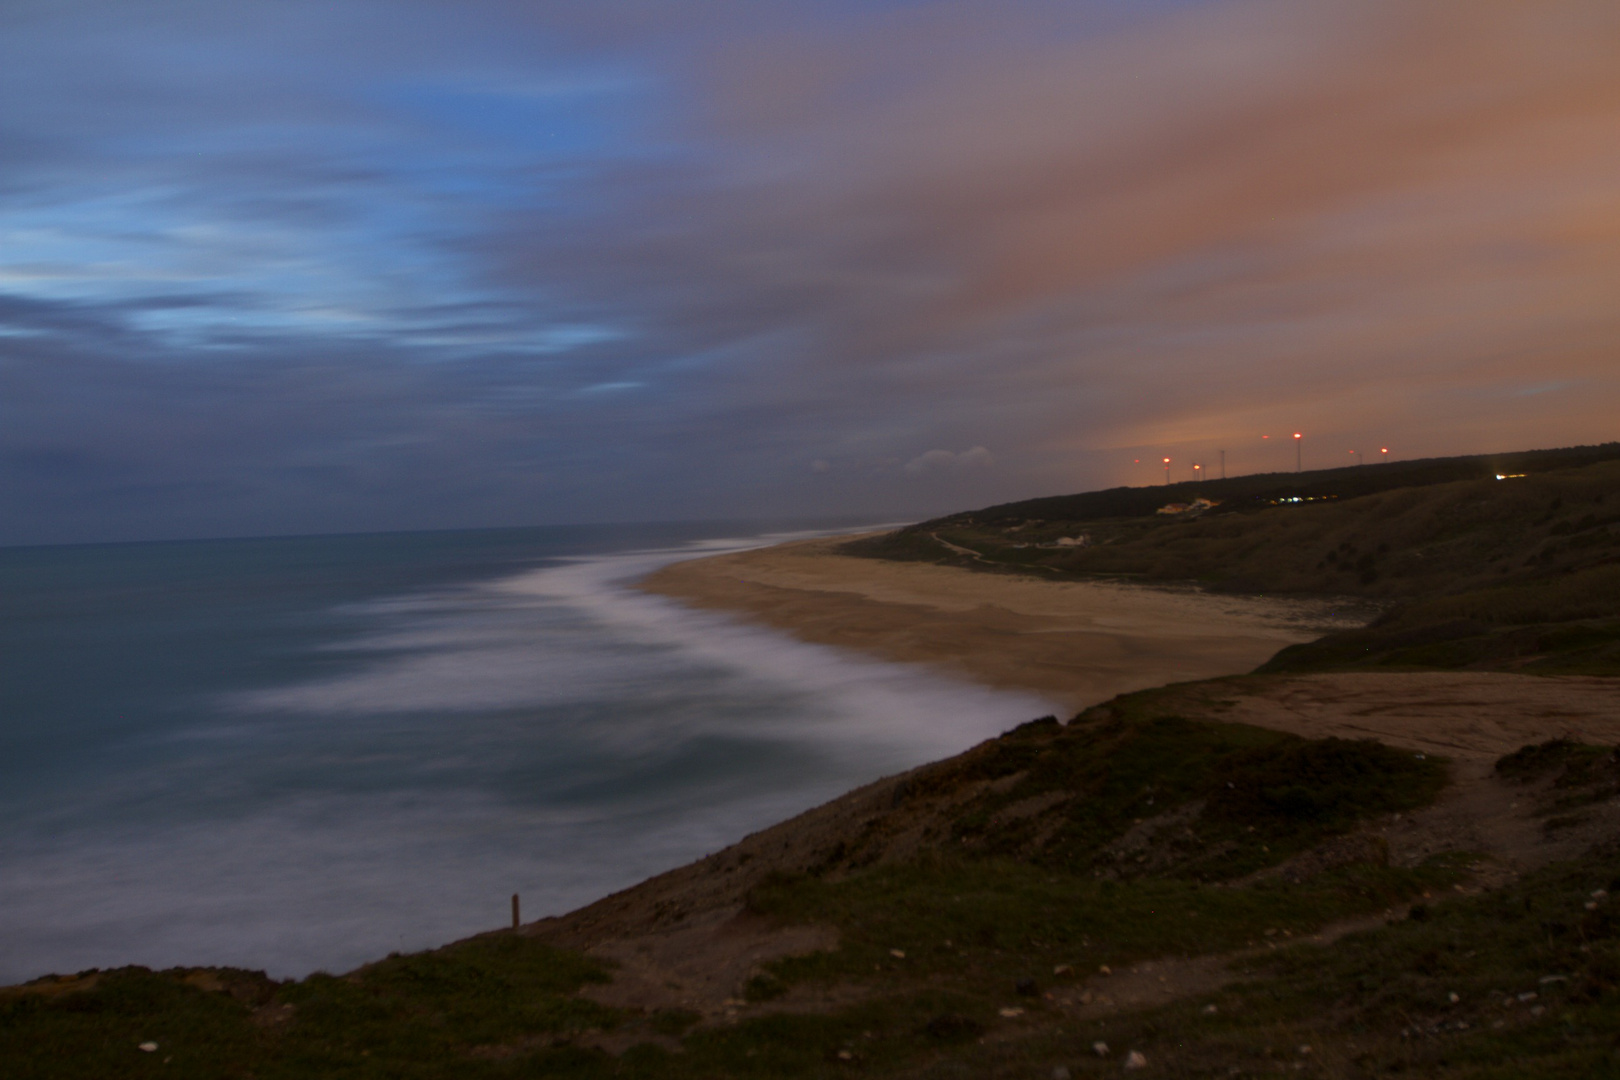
1144 886
1521 573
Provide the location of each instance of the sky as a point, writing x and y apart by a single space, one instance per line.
279 266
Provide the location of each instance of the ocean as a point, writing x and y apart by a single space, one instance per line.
300 754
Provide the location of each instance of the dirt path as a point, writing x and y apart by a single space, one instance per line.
703 965
1159 982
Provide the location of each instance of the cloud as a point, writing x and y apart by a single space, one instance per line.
935 460
618 260
1350 217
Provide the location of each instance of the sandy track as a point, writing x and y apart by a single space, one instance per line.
1465 715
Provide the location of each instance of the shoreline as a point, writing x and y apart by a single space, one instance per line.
1076 643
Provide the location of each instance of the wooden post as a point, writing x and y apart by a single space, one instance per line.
514 911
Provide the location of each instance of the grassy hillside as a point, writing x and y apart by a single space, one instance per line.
992 911
1519 573
1258 491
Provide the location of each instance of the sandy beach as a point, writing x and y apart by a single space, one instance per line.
1080 643
1077 643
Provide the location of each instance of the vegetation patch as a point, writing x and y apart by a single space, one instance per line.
1523 982
1573 774
1119 797
459 1011
983 925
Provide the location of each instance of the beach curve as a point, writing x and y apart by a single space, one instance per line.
1075 642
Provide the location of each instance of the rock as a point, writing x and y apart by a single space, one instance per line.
1012 1011
1453 998
1210 1010
1135 1060
898 954
1100 1048
1061 1072
1062 969
1105 970
149 1047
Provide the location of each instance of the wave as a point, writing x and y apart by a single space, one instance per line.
554 733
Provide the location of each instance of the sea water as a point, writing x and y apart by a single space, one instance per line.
301 754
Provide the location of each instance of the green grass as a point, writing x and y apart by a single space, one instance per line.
988 923
429 1014
1580 775
1380 1002
1232 798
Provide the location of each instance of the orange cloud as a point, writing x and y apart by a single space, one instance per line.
1396 219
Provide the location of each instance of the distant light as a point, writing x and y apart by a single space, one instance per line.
1297 435
1167 461
1511 476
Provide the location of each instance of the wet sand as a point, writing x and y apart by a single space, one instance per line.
1077 643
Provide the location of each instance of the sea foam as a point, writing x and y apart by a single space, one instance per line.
550 732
